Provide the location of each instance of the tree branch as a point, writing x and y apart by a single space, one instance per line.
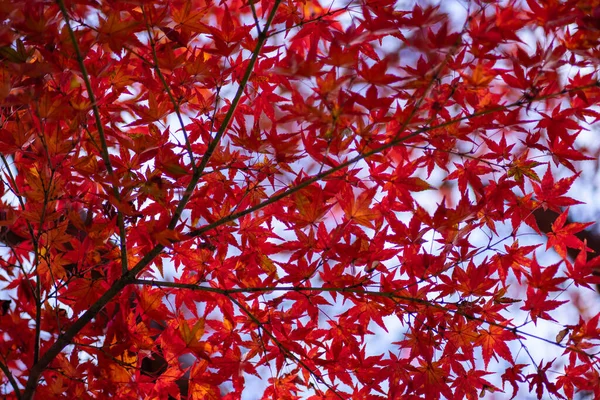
129 275
390 295
11 379
101 134
394 142
226 121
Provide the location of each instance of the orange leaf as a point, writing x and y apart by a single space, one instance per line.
359 209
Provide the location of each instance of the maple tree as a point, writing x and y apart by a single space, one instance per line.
199 194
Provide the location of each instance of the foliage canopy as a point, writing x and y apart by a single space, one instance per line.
330 197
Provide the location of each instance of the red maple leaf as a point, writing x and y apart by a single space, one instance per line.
538 304
563 236
493 343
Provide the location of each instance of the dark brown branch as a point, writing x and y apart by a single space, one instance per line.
11 379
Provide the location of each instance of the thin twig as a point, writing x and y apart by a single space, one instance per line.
350 290
255 16
101 133
281 346
162 79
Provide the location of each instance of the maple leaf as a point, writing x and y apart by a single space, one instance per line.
551 193
431 378
513 375
540 381
538 305
493 343
470 173
359 209
189 14
191 337
472 281
151 303
563 237
468 384
582 271
515 259
481 75
118 30
521 167
545 280
573 377
199 388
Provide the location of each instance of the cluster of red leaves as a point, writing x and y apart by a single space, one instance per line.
274 153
